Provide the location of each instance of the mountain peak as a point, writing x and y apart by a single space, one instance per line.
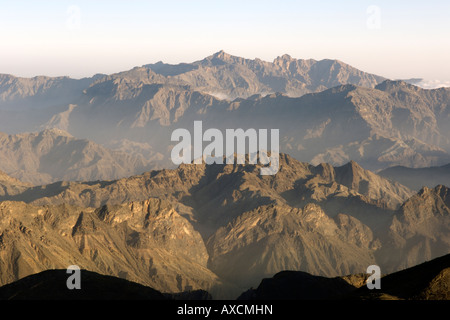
353 165
56 132
221 55
284 57
444 193
220 58
388 85
283 60
350 173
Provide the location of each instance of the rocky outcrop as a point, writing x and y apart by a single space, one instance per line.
146 242
222 228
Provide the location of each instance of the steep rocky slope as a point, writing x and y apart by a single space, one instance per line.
224 227
146 242
218 193
10 186
272 238
419 230
426 281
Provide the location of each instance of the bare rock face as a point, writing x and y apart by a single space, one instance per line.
146 242
216 194
220 227
438 288
224 227
10 186
261 242
371 185
419 230
391 124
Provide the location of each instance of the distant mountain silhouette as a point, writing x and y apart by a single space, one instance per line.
416 178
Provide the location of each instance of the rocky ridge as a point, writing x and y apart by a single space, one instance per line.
220 228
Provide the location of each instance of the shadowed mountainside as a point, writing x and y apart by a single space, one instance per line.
427 281
146 242
221 228
51 285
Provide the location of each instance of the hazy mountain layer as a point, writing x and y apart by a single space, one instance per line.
391 124
54 155
35 103
326 110
40 92
416 178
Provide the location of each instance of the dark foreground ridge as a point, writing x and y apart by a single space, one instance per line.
298 285
427 281
51 285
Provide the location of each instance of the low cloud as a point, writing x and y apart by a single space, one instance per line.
433 84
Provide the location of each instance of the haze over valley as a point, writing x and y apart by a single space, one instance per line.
86 176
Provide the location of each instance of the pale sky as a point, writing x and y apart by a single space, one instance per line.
395 39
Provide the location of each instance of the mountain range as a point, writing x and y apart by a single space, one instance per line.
54 155
86 176
221 228
416 178
427 281
326 111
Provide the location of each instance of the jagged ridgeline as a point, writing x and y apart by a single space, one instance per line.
86 174
222 228
327 111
